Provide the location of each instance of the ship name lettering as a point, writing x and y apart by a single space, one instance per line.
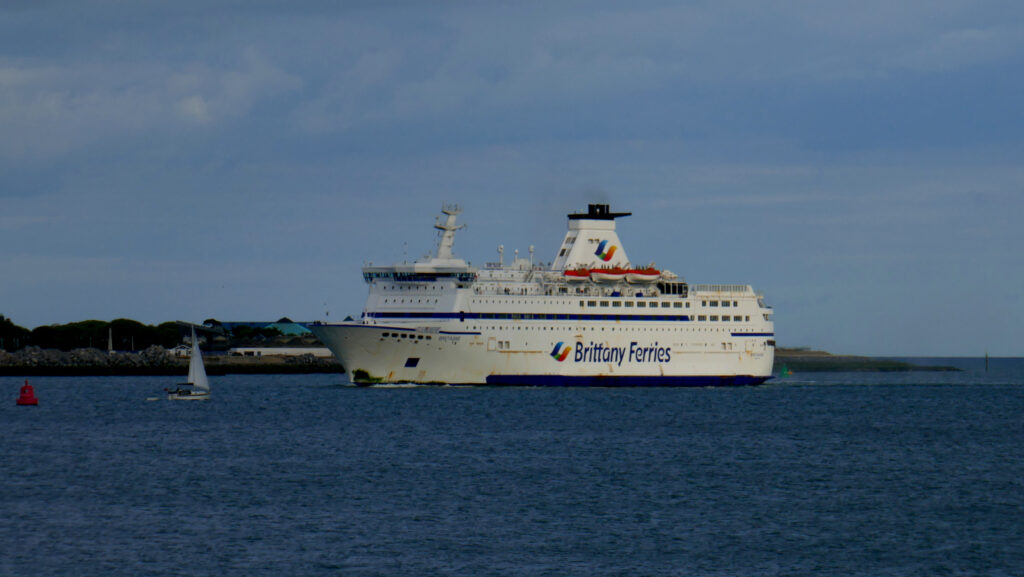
651 354
601 353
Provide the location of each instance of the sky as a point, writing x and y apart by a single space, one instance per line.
860 163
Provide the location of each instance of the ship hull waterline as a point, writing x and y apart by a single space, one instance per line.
431 355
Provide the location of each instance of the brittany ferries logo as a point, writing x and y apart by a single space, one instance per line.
605 255
561 351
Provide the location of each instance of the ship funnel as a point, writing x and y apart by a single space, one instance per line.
591 241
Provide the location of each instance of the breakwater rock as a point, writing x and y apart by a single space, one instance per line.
155 360
811 361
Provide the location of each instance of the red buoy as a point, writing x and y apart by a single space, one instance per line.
28 396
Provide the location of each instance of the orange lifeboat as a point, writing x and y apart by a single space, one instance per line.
577 274
613 274
643 275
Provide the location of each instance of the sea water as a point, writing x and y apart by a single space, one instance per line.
874 474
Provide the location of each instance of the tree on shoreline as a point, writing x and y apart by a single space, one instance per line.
128 335
13 337
244 334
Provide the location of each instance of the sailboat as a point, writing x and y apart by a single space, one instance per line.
197 388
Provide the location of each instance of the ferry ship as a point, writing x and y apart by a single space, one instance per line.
590 318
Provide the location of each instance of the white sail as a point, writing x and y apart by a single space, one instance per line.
196 370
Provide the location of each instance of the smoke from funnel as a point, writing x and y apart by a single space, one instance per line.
594 195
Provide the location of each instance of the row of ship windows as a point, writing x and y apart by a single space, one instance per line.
725 318
613 304
630 304
407 336
600 329
568 244
509 301
432 288
417 338
703 303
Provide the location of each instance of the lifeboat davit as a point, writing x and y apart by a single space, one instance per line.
614 274
27 396
577 274
643 275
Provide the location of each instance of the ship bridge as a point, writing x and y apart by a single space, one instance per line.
441 265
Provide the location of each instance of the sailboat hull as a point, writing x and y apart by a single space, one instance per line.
188 396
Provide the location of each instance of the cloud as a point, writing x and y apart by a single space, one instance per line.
489 63
48 110
18 222
51 110
194 108
871 134
228 93
465 64
962 48
254 80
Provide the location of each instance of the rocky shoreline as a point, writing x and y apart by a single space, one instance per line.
156 360
811 361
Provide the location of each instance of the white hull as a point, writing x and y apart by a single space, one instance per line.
474 357
172 396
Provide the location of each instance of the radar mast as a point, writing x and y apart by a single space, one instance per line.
447 242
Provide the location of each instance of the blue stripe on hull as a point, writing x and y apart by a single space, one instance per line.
526 316
624 381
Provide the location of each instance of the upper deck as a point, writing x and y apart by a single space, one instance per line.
443 283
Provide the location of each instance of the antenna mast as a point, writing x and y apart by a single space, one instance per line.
444 247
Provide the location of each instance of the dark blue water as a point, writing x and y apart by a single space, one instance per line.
828 474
